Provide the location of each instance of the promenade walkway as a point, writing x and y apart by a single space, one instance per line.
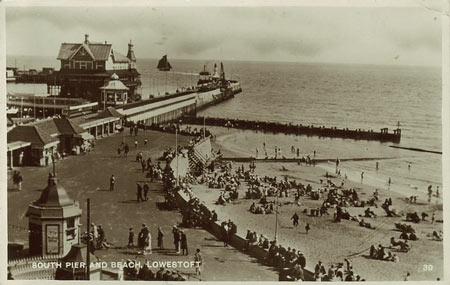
87 176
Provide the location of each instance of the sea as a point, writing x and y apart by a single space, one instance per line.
352 96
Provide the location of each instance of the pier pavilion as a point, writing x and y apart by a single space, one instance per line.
86 66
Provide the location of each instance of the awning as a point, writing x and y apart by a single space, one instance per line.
17 145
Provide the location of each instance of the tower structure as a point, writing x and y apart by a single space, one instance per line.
54 221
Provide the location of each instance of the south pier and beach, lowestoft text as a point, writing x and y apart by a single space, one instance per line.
115 264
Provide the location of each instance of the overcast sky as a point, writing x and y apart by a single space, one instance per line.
304 34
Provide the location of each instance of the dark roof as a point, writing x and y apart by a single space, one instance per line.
47 125
98 51
30 133
54 196
40 133
66 126
57 126
109 112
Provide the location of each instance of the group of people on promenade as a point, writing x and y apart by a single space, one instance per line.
97 238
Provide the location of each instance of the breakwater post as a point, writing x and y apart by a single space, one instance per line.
297 129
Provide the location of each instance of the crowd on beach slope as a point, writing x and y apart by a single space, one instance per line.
336 198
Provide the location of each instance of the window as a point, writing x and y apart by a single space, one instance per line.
71 228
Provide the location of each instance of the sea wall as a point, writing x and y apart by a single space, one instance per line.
237 241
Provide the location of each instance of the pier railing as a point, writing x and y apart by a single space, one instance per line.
297 129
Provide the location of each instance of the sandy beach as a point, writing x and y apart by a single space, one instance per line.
332 242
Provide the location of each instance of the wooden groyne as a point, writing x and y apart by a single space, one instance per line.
416 149
300 160
297 129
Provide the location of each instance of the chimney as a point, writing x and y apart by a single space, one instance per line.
86 38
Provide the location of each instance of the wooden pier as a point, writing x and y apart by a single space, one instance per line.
275 127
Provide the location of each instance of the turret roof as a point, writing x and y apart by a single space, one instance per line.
54 195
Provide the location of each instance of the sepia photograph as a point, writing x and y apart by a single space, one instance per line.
197 142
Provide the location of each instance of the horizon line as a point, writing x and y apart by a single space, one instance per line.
263 61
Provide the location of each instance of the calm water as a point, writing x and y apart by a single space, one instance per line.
353 96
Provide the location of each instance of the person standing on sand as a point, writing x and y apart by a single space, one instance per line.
432 218
376 165
430 193
389 183
407 276
294 219
112 182
307 228
362 177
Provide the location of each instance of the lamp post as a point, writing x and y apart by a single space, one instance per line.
176 151
276 218
204 127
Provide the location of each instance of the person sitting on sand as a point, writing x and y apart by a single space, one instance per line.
376 194
413 236
362 223
370 214
253 208
438 236
221 200
404 235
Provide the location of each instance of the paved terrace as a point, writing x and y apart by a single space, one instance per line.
87 176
